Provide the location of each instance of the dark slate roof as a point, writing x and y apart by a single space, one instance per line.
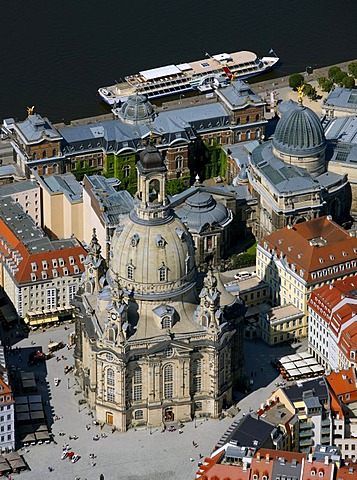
317 385
252 432
299 132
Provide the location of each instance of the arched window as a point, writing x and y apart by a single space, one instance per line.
257 133
54 152
179 162
239 136
137 384
34 155
247 135
238 121
44 169
126 171
44 154
166 322
248 119
110 377
196 372
110 385
54 168
111 335
204 321
168 381
130 271
257 117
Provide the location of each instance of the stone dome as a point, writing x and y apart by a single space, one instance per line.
299 132
137 109
142 252
201 210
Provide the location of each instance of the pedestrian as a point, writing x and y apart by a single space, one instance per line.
191 459
101 477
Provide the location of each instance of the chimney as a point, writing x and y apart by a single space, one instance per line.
267 458
326 462
245 466
309 459
258 457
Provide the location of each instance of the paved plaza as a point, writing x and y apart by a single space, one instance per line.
136 455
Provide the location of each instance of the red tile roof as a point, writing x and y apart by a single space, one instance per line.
344 383
312 246
347 472
15 254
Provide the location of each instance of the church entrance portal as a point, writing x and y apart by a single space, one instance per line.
169 415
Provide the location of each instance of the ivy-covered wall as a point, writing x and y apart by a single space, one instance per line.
117 166
216 162
177 185
82 168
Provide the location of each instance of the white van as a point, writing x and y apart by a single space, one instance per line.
242 275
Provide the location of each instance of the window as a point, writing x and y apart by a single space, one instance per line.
247 135
168 381
126 171
71 291
71 260
179 162
166 322
111 394
51 298
137 381
163 273
130 272
139 414
196 371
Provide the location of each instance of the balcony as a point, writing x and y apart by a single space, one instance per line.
306 443
325 430
326 422
305 425
305 434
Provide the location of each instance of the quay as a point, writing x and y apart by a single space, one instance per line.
280 85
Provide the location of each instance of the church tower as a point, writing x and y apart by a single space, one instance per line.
94 266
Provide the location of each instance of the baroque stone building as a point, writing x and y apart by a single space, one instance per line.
149 350
290 175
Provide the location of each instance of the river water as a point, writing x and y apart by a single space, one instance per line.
56 53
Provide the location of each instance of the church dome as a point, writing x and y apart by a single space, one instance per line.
153 259
201 211
137 109
287 106
299 132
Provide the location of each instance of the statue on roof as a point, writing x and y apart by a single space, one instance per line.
30 110
300 91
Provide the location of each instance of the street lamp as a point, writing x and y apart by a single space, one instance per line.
181 97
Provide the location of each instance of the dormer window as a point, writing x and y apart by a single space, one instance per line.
81 257
166 322
134 240
33 266
130 271
54 262
321 260
71 260
76 269
54 273
44 264
163 273
44 275
160 241
65 271
61 262
33 277
344 254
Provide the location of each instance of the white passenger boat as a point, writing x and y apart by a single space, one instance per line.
202 75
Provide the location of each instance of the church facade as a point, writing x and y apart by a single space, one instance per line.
150 348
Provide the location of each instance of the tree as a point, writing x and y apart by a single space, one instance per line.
296 80
325 84
339 77
332 72
348 82
352 69
310 91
